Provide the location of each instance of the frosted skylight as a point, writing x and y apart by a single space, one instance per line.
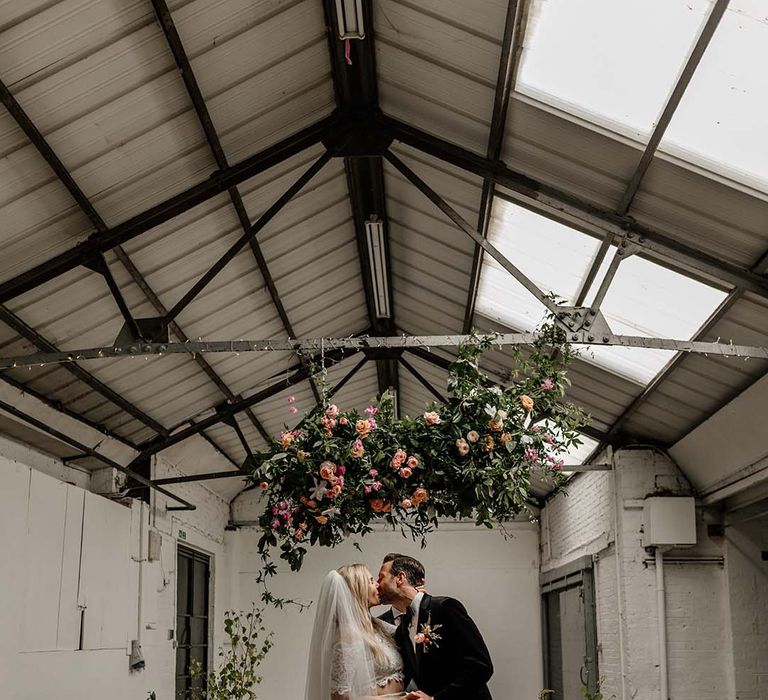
644 299
554 256
612 62
720 122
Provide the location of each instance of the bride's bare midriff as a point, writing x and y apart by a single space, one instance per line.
390 688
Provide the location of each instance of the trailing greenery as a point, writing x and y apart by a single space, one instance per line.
237 673
472 457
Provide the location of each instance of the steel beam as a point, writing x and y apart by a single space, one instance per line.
569 209
197 477
511 49
218 183
12 410
301 374
14 322
462 224
356 91
692 64
176 46
238 245
426 384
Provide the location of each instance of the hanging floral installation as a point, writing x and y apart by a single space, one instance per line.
339 472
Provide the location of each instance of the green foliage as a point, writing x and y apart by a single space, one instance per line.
473 456
237 672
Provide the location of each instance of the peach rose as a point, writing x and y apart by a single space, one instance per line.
327 470
298 535
311 504
420 495
302 455
363 428
527 402
377 505
335 491
357 449
473 436
344 420
398 459
420 638
322 519
462 446
488 443
504 438
406 472
496 424
286 439
412 462
405 503
432 418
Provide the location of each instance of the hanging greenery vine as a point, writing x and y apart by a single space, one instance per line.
472 457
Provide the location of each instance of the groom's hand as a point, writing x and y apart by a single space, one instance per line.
418 695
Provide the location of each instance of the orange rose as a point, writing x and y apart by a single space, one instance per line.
527 402
488 443
504 438
496 424
335 491
377 505
363 428
420 495
327 470
322 519
298 535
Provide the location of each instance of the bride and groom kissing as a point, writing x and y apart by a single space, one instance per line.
424 648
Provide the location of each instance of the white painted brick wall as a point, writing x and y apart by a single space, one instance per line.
699 652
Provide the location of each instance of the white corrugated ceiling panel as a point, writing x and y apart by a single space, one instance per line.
431 256
437 65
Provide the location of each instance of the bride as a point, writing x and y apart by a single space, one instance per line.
352 655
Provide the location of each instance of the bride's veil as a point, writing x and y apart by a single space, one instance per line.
338 659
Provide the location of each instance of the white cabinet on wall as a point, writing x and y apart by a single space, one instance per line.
77 565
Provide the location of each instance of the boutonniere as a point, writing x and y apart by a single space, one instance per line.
428 636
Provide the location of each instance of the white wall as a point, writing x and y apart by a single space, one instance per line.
698 628
496 579
43 577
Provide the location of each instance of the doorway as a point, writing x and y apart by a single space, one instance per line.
570 630
193 571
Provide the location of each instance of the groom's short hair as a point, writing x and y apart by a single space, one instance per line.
412 568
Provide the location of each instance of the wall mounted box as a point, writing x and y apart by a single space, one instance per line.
669 520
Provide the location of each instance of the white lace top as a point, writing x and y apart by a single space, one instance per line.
389 670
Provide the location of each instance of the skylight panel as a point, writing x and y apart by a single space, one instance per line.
644 299
556 257
612 62
649 300
720 122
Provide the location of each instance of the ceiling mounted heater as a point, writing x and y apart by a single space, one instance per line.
374 235
350 16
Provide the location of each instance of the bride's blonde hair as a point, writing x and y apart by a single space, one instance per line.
356 578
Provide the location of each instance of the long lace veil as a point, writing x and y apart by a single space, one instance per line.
338 659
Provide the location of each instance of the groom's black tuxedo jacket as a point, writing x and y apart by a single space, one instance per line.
458 666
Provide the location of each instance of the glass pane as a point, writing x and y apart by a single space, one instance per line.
182 584
182 660
646 299
556 257
613 62
720 122
200 588
198 631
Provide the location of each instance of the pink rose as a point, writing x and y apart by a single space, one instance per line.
264 485
372 410
293 409
341 470
547 384
531 455
406 472
291 399
374 472
275 524
412 462
344 420
367 490
376 485
420 638
432 418
405 503
332 411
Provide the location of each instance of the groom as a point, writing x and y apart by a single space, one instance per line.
443 651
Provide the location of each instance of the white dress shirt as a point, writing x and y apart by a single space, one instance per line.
413 627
